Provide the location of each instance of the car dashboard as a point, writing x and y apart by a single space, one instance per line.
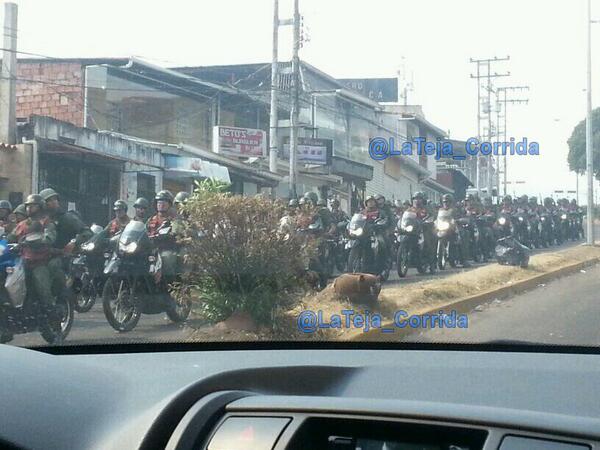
299 398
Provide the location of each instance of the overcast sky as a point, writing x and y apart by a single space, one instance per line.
354 38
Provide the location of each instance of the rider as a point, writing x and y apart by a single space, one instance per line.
141 207
168 246
40 234
118 224
337 214
20 213
507 205
418 205
5 212
374 213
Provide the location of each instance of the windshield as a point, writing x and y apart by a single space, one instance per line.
201 125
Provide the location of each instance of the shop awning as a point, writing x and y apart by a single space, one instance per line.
186 167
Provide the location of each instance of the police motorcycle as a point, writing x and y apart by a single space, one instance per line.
341 248
86 270
504 225
315 259
485 224
576 223
135 283
21 311
521 227
447 239
413 248
365 254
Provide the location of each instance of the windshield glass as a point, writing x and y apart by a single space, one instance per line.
203 124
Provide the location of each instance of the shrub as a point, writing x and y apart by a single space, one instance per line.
241 263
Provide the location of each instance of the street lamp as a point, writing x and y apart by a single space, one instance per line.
588 133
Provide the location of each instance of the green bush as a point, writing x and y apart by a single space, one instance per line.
241 263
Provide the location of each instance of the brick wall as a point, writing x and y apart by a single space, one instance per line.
56 92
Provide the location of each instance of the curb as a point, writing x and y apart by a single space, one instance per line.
466 304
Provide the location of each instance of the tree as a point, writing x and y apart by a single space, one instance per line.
577 143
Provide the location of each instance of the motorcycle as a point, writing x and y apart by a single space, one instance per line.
546 230
340 251
135 284
86 274
447 239
485 224
365 254
503 226
521 228
413 250
20 310
576 226
534 231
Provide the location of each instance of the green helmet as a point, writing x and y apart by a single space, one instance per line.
293 203
5 204
48 193
21 210
418 195
120 204
141 203
34 199
182 197
507 199
322 202
447 198
335 202
164 196
312 196
533 200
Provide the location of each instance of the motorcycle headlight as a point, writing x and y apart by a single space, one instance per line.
520 219
88 247
409 228
443 226
502 220
358 232
129 248
563 217
543 219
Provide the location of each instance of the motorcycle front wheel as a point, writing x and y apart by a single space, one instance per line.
402 261
85 299
356 260
119 306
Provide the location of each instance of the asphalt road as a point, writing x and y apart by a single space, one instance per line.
562 312
92 327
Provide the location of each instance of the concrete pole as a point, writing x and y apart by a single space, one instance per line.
8 83
588 133
274 88
295 102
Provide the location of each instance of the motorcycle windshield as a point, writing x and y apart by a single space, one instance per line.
444 214
408 218
132 232
357 221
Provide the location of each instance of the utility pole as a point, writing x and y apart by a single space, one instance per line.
505 101
8 84
488 75
295 101
274 87
588 133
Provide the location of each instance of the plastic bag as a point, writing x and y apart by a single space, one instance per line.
15 284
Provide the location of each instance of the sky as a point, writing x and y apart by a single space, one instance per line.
546 42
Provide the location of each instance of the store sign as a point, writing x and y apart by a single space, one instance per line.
190 167
242 142
311 151
377 89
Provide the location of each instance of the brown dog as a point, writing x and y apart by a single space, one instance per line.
358 287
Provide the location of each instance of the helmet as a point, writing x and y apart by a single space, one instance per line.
182 197
447 198
96 229
304 200
21 210
5 204
293 203
34 199
398 203
406 203
335 202
573 202
322 202
380 199
48 193
141 203
312 197
533 200
370 197
418 195
164 196
524 199
507 199
487 200
548 201
120 204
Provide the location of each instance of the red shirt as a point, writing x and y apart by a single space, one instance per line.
37 256
371 214
115 226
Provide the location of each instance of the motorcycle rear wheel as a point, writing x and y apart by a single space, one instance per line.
110 296
86 297
65 310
